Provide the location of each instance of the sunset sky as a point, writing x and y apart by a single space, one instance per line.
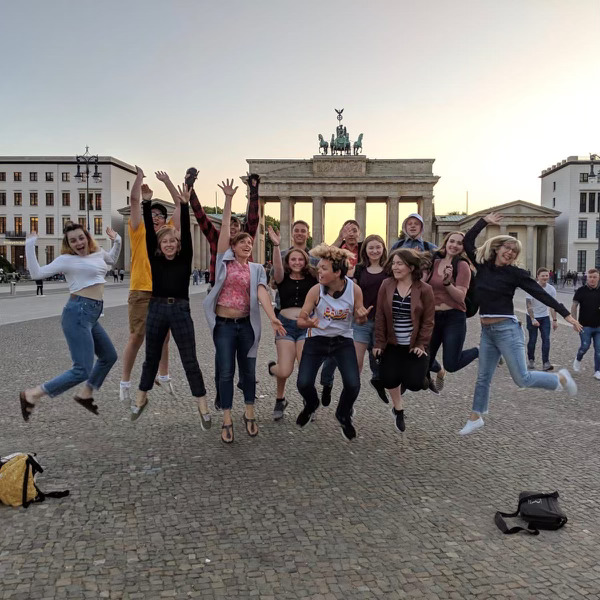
493 91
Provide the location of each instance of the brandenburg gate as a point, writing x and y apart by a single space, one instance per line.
342 178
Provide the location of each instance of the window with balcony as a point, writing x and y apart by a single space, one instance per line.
17 176
49 176
2 198
2 224
81 200
592 202
97 225
18 199
33 224
49 225
33 199
49 254
66 198
66 177
582 229
98 201
581 260
583 177
582 201
49 198
2 175
33 176
19 225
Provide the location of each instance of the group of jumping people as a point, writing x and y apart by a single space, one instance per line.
335 303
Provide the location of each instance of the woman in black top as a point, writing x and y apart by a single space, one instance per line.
294 277
496 281
169 309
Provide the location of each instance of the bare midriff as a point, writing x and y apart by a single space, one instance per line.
94 292
229 313
293 312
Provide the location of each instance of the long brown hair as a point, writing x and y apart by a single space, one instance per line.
364 259
65 248
308 268
411 258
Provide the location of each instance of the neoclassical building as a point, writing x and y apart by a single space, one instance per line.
533 225
341 179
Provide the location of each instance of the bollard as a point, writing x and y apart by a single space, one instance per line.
13 288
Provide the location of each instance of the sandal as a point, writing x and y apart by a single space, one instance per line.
228 439
87 403
26 407
252 423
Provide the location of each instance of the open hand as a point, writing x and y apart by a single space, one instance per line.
146 192
274 236
111 233
162 176
278 327
228 188
493 218
184 194
576 324
362 313
418 351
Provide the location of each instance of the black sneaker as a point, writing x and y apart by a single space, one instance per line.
271 364
433 387
279 409
304 418
399 415
326 395
377 385
348 430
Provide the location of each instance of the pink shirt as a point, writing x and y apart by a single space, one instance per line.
440 292
235 292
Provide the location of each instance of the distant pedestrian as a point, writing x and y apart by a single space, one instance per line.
39 290
195 277
587 301
115 276
122 274
206 276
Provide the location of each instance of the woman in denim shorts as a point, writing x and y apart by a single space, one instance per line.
294 277
369 275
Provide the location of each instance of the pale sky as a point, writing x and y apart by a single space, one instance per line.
493 90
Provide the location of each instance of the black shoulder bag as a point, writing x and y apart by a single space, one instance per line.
541 511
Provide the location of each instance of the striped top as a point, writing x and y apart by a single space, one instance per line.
402 318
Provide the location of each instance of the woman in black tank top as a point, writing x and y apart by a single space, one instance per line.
294 277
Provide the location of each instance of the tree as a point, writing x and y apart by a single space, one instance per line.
456 212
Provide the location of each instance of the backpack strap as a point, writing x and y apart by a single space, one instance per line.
501 523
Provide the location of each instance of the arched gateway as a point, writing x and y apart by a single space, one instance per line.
342 178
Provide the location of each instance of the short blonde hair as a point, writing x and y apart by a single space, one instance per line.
489 249
161 233
65 248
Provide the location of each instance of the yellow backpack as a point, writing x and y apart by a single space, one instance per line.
17 481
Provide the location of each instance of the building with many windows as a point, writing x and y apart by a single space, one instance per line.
41 193
566 188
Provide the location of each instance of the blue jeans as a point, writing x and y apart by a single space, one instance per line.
450 330
85 337
365 334
544 330
587 335
234 337
505 339
341 351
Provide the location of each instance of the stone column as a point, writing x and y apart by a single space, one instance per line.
529 253
392 221
426 208
502 230
360 212
550 248
317 219
284 221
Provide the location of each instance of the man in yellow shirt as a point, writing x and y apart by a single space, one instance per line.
140 286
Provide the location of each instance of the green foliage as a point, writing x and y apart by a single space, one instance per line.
4 264
211 210
456 212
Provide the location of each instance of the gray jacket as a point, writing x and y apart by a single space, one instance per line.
257 277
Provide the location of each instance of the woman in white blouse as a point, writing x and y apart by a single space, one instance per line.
84 265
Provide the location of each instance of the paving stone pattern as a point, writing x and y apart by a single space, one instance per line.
160 509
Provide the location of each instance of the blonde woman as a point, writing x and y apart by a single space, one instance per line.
84 264
496 281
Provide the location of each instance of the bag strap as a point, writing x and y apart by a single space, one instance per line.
501 523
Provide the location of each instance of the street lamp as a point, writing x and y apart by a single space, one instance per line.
86 159
592 179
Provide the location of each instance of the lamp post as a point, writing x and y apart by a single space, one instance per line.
592 178
87 159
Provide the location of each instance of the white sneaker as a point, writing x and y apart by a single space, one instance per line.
471 426
125 394
576 366
567 382
597 375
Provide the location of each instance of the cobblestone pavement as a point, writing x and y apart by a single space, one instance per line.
161 509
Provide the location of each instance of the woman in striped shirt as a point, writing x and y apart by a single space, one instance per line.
403 326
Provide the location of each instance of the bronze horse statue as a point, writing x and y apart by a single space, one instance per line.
323 145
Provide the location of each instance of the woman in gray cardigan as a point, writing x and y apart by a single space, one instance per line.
233 316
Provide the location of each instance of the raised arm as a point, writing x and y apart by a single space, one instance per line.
224 236
135 217
151 240
211 233
471 235
35 271
183 200
176 216
278 272
110 257
252 216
